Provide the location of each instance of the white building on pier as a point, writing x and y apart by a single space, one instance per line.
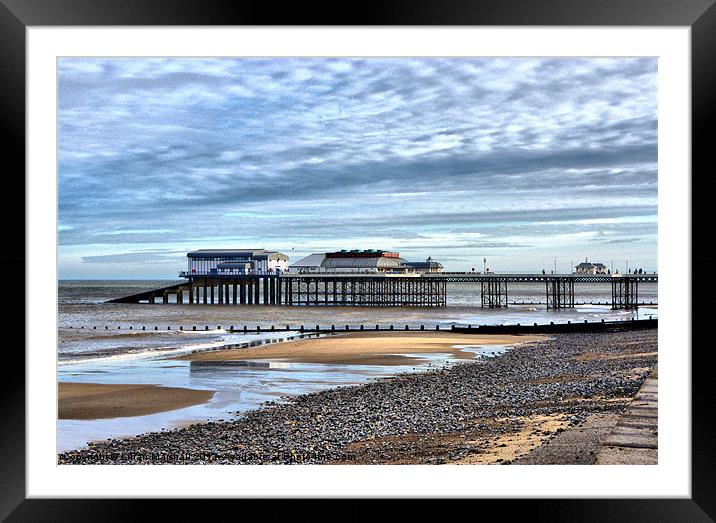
216 262
590 268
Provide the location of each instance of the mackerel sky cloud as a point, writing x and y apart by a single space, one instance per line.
520 161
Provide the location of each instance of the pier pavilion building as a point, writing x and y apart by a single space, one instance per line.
309 264
362 261
428 266
235 262
587 267
353 261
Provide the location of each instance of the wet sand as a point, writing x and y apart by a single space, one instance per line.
538 403
370 348
535 403
101 401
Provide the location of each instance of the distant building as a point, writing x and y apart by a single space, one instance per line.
587 267
362 261
368 260
236 261
427 266
311 263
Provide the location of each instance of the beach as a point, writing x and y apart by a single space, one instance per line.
86 401
496 410
384 348
100 400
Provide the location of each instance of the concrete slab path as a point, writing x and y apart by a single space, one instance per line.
635 438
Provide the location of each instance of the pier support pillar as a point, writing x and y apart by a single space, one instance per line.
560 293
493 293
625 293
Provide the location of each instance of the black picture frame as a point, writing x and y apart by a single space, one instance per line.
699 15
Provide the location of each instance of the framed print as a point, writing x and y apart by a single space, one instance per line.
380 253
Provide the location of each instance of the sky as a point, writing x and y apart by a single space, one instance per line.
528 163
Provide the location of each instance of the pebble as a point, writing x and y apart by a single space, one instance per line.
317 428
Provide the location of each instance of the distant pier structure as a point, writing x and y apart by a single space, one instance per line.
359 278
558 288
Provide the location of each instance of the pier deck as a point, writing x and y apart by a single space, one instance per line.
380 290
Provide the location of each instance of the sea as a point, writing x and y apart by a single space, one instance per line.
101 342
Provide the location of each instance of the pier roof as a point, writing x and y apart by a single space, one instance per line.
377 262
587 264
258 254
312 260
425 264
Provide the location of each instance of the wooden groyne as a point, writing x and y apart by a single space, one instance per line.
556 328
550 328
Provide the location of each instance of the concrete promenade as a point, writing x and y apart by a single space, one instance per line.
634 439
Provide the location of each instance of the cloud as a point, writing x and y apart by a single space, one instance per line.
145 257
185 151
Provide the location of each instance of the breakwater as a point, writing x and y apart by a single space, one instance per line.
535 328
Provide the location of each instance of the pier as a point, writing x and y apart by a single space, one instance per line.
362 290
381 290
559 288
